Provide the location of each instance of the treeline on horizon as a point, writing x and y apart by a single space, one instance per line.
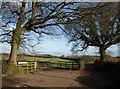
76 58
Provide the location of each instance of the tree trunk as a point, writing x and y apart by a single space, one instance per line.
14 50
13 54
11 67
15 45
102 53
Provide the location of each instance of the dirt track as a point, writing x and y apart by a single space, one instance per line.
56 78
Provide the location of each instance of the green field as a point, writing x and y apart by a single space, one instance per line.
54 62
33 58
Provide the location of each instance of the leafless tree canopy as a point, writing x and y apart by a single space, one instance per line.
37 17
20 18
100 28
93 24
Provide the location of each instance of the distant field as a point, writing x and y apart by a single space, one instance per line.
55 62
33 58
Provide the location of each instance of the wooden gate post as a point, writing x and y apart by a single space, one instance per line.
27 68
81 65
35 65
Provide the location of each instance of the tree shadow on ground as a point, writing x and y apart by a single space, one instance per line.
93 78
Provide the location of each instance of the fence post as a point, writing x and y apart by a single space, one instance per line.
27 68
72 65
30 67
81 65
35 65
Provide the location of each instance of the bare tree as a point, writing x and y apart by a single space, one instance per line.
100 29
24 17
